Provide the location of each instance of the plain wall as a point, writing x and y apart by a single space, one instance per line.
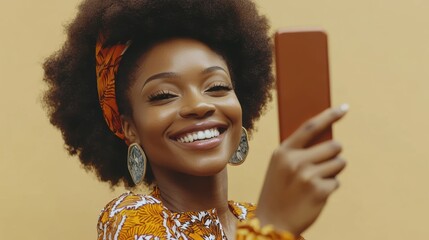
379 55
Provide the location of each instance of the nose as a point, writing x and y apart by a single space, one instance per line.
195 106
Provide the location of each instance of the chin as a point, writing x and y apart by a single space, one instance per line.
209 168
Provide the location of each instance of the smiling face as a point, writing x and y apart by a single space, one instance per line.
186 115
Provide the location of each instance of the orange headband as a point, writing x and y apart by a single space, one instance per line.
106 67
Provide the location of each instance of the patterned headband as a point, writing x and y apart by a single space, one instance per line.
107 64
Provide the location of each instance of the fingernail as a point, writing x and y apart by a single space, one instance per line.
344 107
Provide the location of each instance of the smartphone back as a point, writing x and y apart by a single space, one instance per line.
302 79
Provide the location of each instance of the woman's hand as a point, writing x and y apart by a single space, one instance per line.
299 180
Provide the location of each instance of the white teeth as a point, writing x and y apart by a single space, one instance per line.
200 135
208 133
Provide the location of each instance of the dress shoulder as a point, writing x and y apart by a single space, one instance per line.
130 215
242 210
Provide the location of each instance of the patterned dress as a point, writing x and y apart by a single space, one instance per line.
141 217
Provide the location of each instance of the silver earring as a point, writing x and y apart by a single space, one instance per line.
243 149
137 163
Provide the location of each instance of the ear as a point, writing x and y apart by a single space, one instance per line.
130 129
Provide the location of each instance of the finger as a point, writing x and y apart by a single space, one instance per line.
311 128
330 168
321 152
327 187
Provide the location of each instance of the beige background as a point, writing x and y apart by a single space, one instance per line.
379 64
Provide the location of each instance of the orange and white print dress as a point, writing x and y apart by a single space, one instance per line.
143 217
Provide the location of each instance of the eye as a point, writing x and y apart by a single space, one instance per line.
219 87
161 95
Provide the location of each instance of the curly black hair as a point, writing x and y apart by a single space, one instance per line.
232 28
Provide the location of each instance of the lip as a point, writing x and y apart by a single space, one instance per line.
205 144
200 144
198 127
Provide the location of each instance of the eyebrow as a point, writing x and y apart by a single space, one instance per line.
175 75
214 69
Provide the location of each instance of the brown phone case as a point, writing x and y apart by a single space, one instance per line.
302 79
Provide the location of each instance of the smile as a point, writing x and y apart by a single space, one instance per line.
199 135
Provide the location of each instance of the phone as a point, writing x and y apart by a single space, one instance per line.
302 79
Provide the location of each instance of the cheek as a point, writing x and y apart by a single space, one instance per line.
232 109
151 124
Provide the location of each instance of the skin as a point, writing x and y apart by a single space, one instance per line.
299 180
184 86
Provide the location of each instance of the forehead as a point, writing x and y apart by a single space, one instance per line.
178 55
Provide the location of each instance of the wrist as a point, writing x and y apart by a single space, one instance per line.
278 224
253 229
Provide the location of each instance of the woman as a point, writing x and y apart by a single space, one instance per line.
180 83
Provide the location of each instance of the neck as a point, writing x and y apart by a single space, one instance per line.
182 193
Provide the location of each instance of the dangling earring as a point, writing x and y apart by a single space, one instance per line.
243 149
137 163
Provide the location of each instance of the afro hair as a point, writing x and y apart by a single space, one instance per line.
232 28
